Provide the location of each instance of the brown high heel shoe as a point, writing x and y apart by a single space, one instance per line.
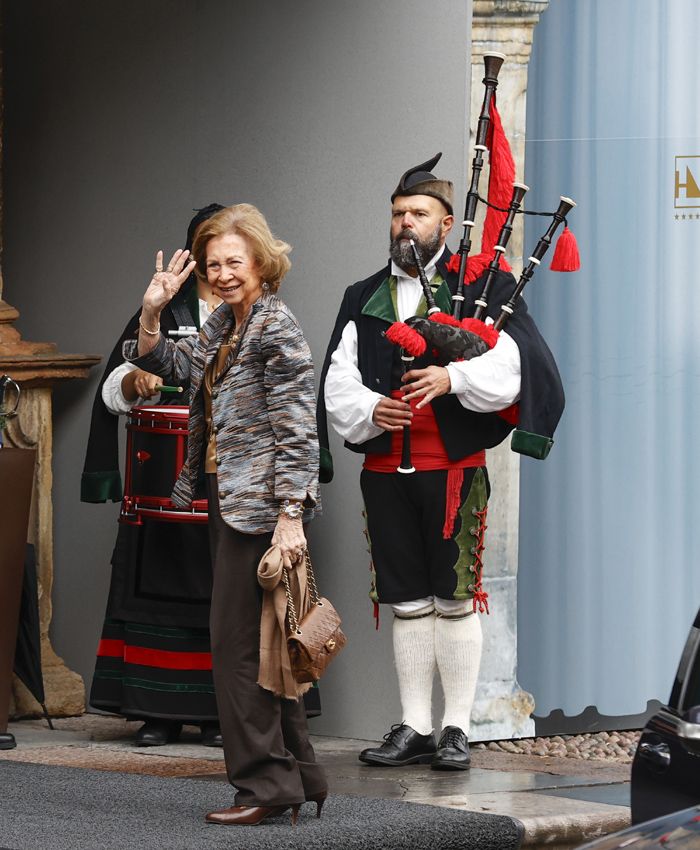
319 799
250 815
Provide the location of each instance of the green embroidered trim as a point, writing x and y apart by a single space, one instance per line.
532 445
164 631
145 684
108 674
101 486
466 539
372 572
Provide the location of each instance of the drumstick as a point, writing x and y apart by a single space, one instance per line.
170 389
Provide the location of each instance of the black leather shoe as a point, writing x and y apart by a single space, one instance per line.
211 735
453 750
402 745
157 733
7 741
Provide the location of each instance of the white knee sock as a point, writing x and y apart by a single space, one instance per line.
414 656
458 655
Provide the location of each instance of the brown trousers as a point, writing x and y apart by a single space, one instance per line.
269 758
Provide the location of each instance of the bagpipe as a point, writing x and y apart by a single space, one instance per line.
450 337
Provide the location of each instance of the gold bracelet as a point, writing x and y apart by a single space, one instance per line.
145 329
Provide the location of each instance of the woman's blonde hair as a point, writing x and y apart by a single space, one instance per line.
270 254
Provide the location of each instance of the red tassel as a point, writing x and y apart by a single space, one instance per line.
455 479
407 337
376 616
481 599
566 257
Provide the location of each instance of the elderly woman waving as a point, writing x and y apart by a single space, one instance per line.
253 448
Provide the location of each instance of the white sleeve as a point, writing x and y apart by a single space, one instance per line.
349 403
112 394
490 382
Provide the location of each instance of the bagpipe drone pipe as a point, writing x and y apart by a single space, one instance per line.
450 337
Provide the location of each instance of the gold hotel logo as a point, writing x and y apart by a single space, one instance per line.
687 188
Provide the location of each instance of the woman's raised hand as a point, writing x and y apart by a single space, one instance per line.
165 283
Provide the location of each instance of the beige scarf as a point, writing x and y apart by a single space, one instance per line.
275 672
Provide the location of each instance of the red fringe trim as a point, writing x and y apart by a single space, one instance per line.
455 479
487 332
407 337
501 177
444 319
566 257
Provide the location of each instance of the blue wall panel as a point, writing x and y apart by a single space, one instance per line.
609 579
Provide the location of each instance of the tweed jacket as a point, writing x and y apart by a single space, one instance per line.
263 410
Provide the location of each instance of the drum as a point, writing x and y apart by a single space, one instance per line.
156 448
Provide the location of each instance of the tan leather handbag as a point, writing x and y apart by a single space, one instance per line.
315 640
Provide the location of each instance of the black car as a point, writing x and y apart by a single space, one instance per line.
666 766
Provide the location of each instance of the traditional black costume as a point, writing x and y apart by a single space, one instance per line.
426 530
154 658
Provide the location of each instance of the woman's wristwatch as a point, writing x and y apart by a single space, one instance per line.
294 510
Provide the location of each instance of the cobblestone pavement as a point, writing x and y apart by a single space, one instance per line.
615 747
605 746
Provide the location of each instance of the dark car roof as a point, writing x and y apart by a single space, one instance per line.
677 831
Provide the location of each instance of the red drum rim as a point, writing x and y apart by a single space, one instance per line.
158 420
132 511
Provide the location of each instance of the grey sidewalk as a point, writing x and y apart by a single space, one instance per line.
560 801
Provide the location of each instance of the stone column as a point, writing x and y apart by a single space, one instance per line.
36 367
502 709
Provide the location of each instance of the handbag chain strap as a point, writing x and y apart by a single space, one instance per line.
311 579
313 592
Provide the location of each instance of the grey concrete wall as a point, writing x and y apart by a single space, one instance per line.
123 115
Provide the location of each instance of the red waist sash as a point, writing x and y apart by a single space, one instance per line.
427 449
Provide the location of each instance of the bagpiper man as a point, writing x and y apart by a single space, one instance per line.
426 530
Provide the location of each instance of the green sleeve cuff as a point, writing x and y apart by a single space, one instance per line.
532 445
326 466
101 486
